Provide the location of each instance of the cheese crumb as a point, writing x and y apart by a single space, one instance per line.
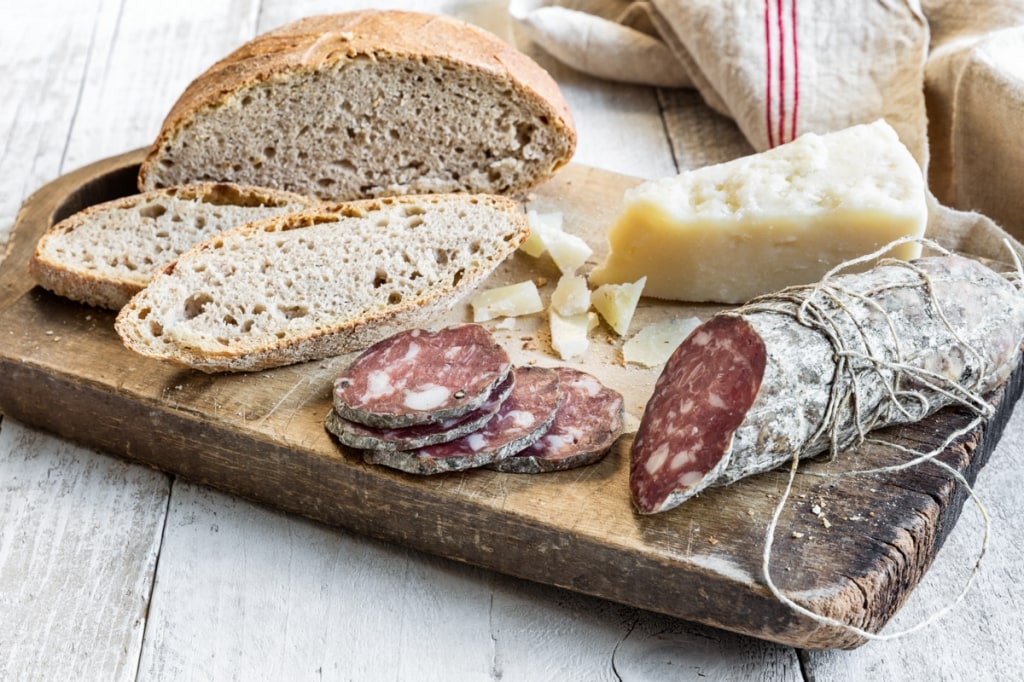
652 345
507 301
617 303
570 335
571 296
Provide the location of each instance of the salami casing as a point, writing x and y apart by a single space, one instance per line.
812 369
361 436
523 417
421 377
588 422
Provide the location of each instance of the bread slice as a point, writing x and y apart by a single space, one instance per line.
320 282
106 253
368 104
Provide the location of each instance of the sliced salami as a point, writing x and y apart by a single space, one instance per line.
588 422
421 377
524 417
360 436
812 369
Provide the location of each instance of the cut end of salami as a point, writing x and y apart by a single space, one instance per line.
701 398
587 424
421 377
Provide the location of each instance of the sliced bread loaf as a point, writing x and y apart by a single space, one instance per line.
106 253
320 282
368 104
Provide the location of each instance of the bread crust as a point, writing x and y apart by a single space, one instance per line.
316 42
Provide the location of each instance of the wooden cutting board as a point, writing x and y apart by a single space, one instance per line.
851 548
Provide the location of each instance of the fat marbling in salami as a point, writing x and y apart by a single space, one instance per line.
361 436
523 417
811 369
586 426
421 377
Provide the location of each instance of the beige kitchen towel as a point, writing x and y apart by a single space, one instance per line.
781 68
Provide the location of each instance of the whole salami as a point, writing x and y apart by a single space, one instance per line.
421 377
588 422
812 369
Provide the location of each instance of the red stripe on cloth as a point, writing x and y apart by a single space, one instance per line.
796 70
782 73
768 72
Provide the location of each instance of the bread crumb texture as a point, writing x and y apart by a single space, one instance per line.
320 282
106 253
368 104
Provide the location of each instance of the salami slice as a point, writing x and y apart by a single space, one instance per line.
360 436
524 416
812 369
588 422
421 377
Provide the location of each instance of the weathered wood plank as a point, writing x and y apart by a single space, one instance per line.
248 592
980 638
42 73
79 533
139 70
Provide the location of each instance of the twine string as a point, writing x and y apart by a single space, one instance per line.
827 307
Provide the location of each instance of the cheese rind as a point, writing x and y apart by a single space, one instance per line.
730 232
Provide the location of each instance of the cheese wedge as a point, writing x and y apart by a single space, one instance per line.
729 232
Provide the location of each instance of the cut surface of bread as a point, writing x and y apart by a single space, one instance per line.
105 254
368 104
320 282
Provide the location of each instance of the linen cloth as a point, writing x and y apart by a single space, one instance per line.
948 75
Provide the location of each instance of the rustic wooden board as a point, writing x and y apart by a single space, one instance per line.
261 436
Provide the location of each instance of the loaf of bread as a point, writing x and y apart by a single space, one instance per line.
320 282
368 104
104 254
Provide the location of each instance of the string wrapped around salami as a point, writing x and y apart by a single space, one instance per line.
588 422
523 417
421 377
363 437
812 369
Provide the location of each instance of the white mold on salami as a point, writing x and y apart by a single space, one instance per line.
812 369
523 417
421 377
361 436
587 424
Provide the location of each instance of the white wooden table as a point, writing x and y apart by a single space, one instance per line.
112 571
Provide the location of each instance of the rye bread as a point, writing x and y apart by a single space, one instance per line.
368 104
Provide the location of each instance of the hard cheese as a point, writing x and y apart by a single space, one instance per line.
729 232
